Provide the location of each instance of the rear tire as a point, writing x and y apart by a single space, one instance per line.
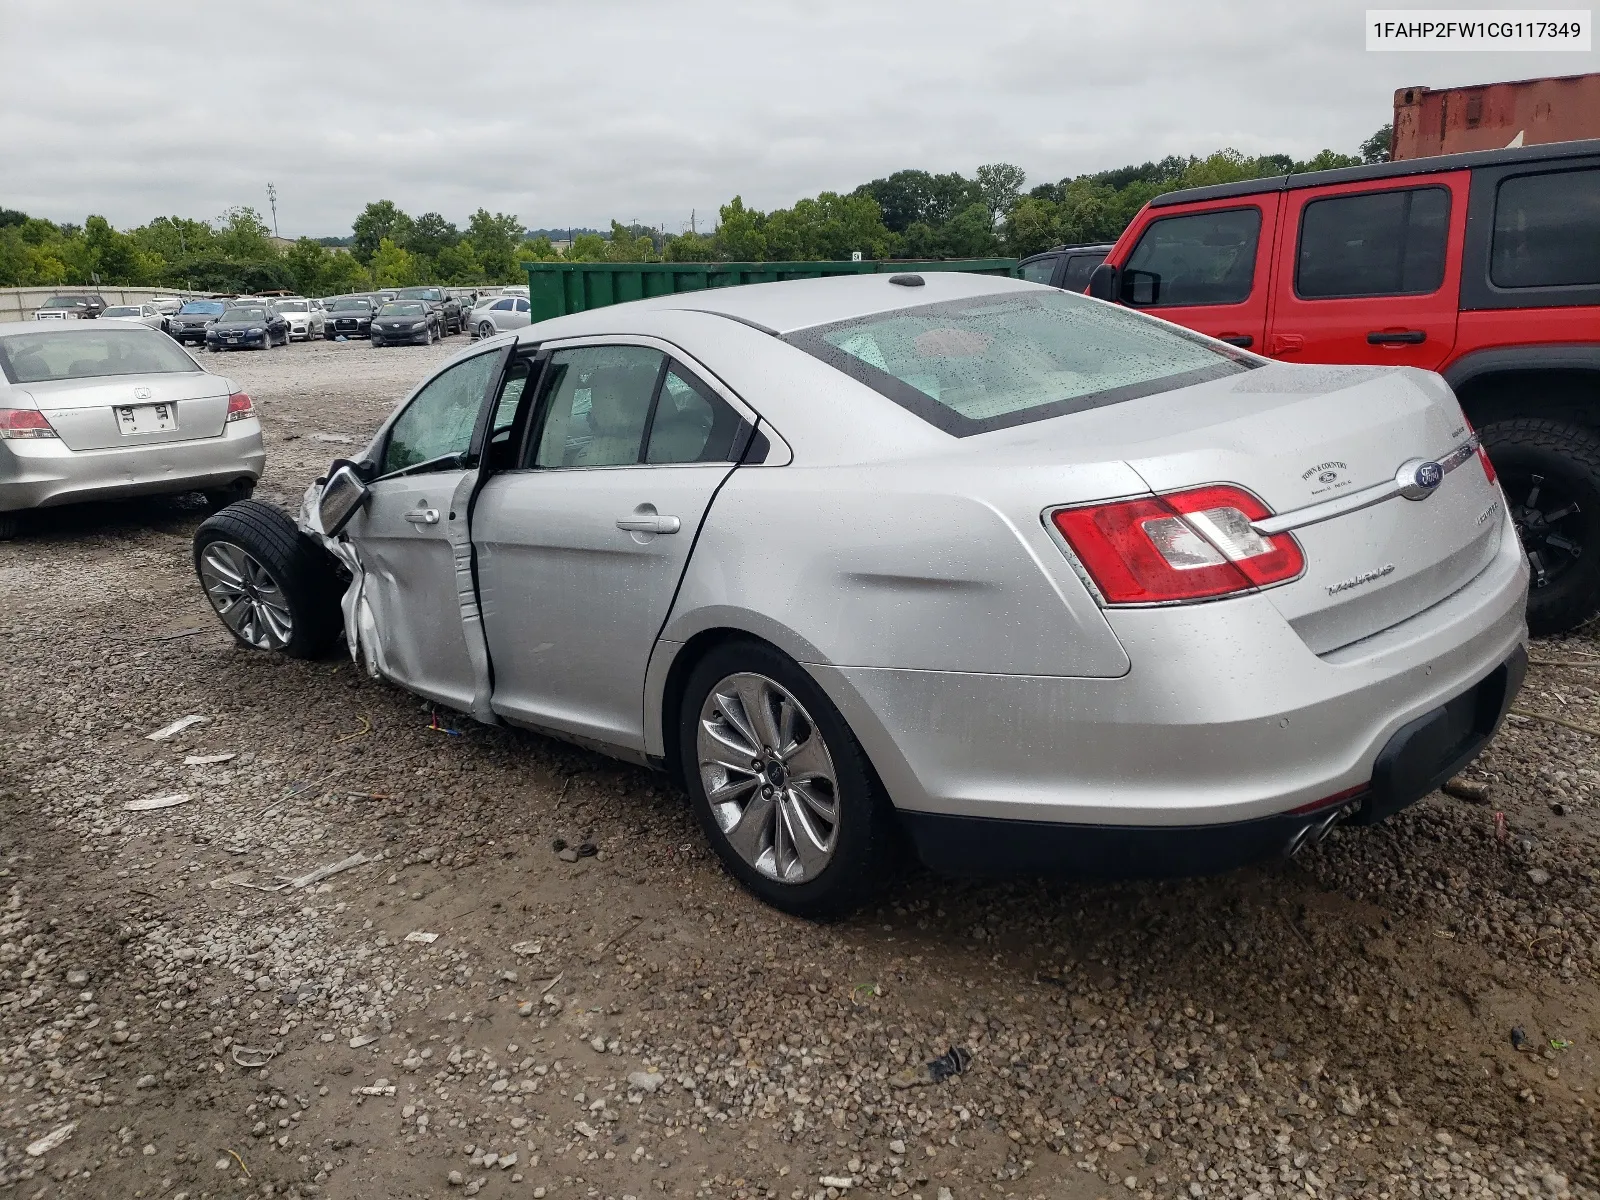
11 525
1550 472
486 329
846 859
270 585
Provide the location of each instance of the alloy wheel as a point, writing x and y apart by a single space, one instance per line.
246 596
769 778
1539 506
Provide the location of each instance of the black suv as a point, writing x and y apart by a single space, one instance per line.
451 318
1065 267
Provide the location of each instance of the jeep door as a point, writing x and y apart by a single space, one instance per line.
1370 272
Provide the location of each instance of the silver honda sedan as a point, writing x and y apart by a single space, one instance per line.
101 410
1048 585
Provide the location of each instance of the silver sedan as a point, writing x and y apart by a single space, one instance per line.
1046 584
105 409
498 314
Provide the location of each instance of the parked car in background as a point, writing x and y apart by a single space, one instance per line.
306 318
144 314
1065 267
78 306
496 314
348 316
167 306
406 321
97 412
1172 607
451 318
247 327
1484 267
192 319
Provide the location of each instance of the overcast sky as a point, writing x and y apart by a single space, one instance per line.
574 113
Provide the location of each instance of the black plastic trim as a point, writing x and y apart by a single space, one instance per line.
1418 758
1555 356
1478 290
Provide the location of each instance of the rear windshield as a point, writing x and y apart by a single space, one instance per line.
209 308
121 310
292 306
971 366
41 358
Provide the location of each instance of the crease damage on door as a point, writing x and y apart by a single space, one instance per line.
361 624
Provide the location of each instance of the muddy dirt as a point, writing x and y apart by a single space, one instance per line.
1408 1010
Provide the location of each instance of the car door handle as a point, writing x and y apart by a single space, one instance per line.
423 516
1397 337
1286 343
1243 340
649 524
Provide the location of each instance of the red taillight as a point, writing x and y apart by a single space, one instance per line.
239 407
24 423
1488 467
1186 546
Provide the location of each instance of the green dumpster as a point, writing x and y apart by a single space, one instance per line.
558 288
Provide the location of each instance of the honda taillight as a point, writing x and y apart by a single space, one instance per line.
24 423
239 407
1185 546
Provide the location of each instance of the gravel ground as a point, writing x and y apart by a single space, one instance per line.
1411 1010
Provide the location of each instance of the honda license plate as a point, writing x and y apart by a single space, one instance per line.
146 418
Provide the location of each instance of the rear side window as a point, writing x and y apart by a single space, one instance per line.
1373 244
1547 230
971 366
1079 268
1199 258
691 423
1039 270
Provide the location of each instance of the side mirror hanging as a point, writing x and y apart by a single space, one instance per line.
342 497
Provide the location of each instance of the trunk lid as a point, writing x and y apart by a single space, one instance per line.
1304 436
84 413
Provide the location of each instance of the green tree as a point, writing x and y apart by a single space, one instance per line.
739 236
625 245
907 197
394 266
307 261
1001 184
429 234
379 220
494 240
244 236
342 273
587 247
116 257
458 264
1376 148
689 247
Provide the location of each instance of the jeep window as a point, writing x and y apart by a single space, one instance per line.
1544 230
1039 270
1373 244
1079 268
1199 258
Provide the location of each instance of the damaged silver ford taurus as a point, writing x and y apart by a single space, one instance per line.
1044 583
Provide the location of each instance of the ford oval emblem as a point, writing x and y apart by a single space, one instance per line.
1429 475
141 393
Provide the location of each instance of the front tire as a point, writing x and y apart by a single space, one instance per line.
272 586
1550 472
780 784
11 524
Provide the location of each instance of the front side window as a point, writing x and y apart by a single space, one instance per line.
500 306
1544 230
1373 244
971 366
440 418
599 405
130 350
1039 270
1198 258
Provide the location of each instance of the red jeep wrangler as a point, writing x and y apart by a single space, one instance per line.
1484 267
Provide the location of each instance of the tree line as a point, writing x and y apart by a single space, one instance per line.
909 214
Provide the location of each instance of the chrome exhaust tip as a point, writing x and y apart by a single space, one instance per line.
1312 833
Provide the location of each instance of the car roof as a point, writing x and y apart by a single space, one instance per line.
789 305
1077 248
1384 170
65 328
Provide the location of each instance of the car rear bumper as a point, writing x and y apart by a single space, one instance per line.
38 474
1225 719
1417 759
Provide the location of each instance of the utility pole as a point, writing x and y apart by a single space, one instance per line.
272 199
695 232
